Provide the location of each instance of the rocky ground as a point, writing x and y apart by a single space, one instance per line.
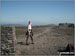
7 41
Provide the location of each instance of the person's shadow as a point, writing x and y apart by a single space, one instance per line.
21 43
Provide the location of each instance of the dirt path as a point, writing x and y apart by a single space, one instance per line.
45 31
37 36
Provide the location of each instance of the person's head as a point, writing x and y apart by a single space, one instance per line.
29 22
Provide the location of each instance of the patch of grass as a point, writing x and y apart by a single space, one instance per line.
63 31
67 31
21 30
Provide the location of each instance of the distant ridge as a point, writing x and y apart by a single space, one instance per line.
26 25
13 25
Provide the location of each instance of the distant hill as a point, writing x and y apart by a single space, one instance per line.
13 25
26 25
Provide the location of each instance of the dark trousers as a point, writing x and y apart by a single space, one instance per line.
31 36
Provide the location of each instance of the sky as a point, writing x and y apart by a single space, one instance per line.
38 12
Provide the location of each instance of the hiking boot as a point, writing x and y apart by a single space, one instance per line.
27 44
32 43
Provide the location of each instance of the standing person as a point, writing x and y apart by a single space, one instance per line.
29 33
